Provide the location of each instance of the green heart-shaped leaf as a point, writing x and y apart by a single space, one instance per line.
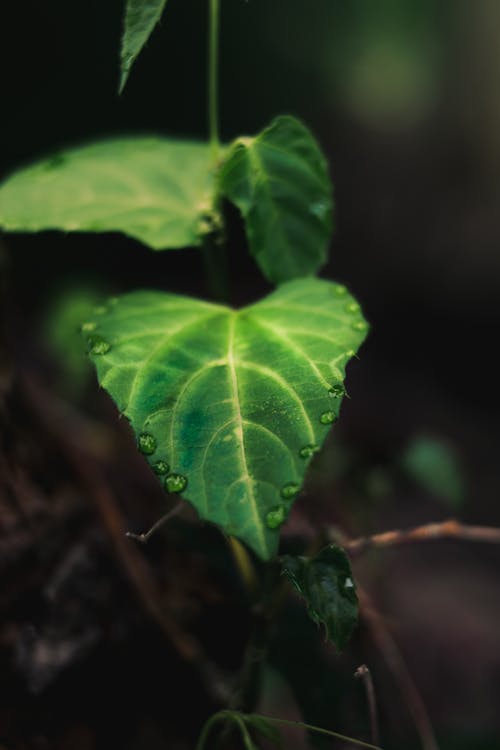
230 405
154 189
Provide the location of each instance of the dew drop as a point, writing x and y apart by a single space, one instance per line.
98 346
308 450
100 310
89 326
319 209
289 490
360 325
276 517
175 483
327 417
160 468
340 290
337 390
147 443
352 307
205 226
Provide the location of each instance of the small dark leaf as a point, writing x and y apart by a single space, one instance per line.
327 585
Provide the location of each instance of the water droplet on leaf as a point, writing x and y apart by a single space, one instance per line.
175 483
327 417
359 326
352 307
319 209
289 490
147 443
98 346
337 390
340 290
89 326
160 467
308 450
276 517
100 310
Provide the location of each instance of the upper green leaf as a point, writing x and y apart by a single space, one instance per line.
230 405
327 584
141 16
153 189
279 181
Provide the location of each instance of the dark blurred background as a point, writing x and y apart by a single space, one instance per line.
404 97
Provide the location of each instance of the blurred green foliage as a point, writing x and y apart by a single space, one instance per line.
434 465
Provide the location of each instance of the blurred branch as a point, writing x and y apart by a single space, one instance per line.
450 529
363 673
396 664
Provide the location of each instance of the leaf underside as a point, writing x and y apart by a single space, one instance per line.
153 189
279 180
327 584
235 402
141 16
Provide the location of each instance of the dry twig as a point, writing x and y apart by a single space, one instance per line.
363 673
450 529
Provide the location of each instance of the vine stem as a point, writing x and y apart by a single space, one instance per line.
216 270
320 730
213 78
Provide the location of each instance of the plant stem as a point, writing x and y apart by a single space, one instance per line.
213 76
202 740
246 695
320 730
215 262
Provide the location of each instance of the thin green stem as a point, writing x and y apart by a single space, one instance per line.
227 716
240 720
320 730
213 78
202 740
246 695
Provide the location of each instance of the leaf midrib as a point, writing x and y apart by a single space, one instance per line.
237 406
